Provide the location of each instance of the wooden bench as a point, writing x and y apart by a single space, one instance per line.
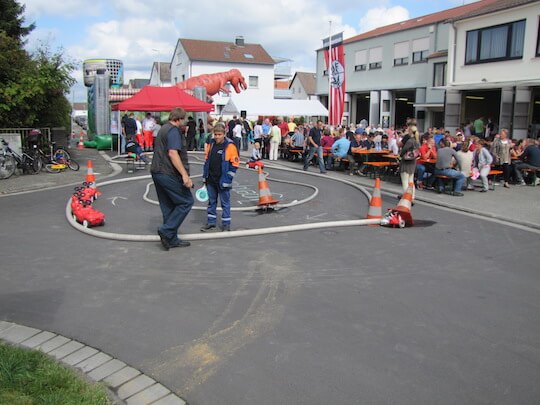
534 174
294 154
494 173
380 166
446 180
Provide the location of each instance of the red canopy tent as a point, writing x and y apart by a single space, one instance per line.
152 98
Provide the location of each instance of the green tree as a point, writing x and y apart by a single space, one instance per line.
11 20
33 87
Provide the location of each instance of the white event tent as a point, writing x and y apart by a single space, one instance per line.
254 106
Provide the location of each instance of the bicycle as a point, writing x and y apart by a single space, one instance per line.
58 160
11 160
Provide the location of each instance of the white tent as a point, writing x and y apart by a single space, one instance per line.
274 107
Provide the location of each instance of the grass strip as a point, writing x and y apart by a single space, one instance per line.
30 377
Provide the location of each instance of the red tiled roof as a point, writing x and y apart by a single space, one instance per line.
440 16
281 84
491 8
216 51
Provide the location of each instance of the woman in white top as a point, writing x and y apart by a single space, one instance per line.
275 140
465 161
501 152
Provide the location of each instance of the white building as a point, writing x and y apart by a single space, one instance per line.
161 74
494 67
304 86
194 57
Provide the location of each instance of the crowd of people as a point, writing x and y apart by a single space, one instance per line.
427 160
424 160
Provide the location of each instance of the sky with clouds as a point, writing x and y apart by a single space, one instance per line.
140 32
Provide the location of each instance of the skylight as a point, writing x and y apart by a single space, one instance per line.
248 56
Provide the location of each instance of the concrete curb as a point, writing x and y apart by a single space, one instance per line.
126 385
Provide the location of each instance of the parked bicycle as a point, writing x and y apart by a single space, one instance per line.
57 160
11 160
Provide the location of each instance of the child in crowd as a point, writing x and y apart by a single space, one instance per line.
256 152
133 147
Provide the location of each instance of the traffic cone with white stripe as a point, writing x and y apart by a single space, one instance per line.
404 206
80 145
265 196
91 178
375 203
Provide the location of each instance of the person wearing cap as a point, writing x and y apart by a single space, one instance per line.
170 173
221 163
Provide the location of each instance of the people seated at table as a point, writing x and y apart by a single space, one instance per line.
483 160
384 142
340 149
354 162
465 162
297 139
445 167
530 159
428 152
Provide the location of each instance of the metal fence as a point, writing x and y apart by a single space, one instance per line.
23 133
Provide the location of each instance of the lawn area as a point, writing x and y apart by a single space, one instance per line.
31 378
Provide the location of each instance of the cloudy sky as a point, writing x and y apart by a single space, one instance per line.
139 32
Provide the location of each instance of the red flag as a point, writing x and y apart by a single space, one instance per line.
337 84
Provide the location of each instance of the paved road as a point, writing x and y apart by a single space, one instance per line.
445 312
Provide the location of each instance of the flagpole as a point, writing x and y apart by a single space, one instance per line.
330 73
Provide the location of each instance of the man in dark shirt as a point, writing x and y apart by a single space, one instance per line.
531 160
170 173
354 160
443 167
314 146
191 131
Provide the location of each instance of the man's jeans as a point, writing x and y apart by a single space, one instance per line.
459 178
175 201
225 197
237 141
311 152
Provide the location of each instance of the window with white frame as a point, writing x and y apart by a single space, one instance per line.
496 43
439 74
420 49
401 53
375 58
254 81
360 60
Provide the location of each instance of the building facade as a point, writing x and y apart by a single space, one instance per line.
494 67
195 57
398 71
303 86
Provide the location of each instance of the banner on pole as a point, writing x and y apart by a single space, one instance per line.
337 84
336 40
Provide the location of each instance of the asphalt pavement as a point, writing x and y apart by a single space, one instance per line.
444 312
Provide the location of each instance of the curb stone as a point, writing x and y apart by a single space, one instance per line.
124 384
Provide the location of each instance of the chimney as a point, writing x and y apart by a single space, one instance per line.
239 41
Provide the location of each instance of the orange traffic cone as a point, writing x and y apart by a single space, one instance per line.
265 196
91 178
404 206
80 145
375 203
